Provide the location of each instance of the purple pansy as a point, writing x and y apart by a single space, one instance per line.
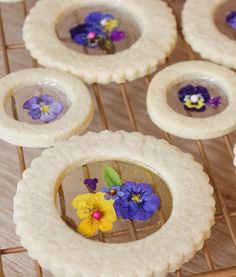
113 193
117 35
138 203
91 183
95 18
214 101
43 108
194 98
231 19
97 30
86 35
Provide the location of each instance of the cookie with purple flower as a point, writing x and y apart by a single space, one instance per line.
206 30
43 108
196 99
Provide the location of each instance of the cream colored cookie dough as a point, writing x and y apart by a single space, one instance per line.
187 127
65 253
75 119
203 35
157 41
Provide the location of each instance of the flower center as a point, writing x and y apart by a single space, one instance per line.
103 22
44 108
113 192
194 98
97 215
91 35
136 198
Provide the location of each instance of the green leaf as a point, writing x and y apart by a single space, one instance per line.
111 177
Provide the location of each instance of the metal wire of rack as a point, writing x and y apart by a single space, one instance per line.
224 215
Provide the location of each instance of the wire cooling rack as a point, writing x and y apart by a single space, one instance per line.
207 262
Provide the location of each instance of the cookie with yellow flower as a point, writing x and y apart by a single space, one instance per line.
66 253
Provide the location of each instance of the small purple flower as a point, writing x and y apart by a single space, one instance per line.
97 30
117 36
138 203
194 98
231 19
214 101
91 183
82 34
95 18
43 108
113 193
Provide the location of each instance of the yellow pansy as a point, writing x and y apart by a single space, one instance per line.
96 213
111 24
198 104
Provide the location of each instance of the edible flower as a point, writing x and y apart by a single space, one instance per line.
98 30
43 108
214 102
194 98
138 203
91 183
113 192
231 19
95 212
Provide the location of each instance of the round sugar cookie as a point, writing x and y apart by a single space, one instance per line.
158 37
59 249
201 32
66 92
210 87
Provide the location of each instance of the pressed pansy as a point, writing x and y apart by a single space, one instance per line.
106 21
86 35
95 212
113 192
138 203
43 108
214 101
98 30
91 183
196 99
231 19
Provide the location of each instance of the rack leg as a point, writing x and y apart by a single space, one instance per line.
128 107
1 266
178 273
229 146
208 257
100 106
38 269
